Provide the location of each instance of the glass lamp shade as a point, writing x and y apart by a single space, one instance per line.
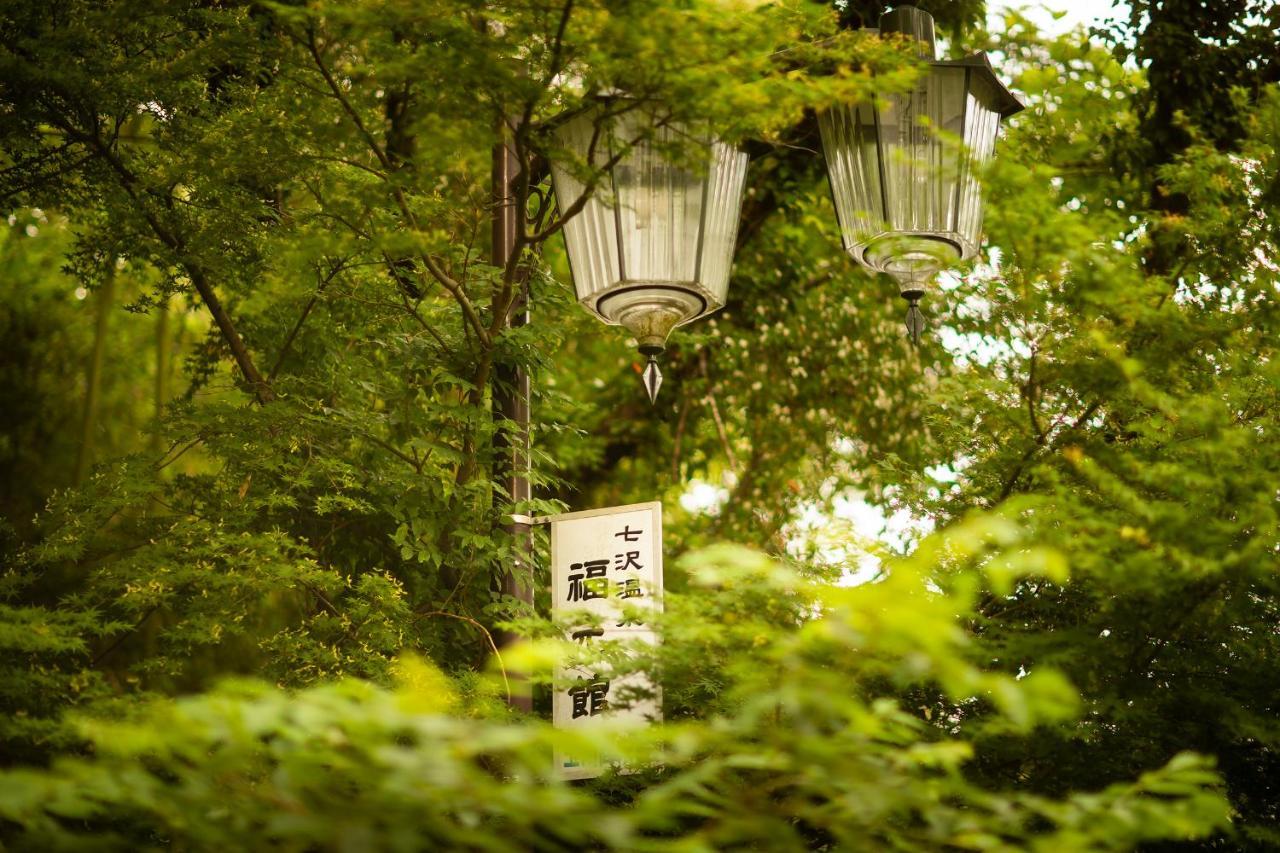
902 167
652 246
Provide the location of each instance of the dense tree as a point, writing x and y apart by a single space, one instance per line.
292 202
1130 416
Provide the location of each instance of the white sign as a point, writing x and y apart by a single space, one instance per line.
606 566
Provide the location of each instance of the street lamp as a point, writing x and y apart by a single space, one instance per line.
902 166
651 248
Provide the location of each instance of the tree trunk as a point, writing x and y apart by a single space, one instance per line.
163 349
93 393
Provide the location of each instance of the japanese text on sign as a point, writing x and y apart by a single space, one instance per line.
606 567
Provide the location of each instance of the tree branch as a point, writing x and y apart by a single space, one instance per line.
98 658
1031 451
715 413
297 327
261 387
492 645
446 281
346 104
1030 392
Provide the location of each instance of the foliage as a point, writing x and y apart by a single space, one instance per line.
288 207
806 746
1122 396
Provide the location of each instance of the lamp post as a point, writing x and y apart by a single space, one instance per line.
511 396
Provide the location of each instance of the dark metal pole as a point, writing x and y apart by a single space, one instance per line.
511 399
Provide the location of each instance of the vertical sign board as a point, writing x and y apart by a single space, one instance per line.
602 561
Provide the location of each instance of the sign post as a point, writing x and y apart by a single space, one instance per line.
606 568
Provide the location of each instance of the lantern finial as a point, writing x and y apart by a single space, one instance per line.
915 320
652 374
